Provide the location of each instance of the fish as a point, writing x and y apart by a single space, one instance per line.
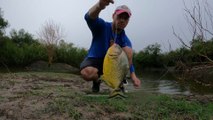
115 69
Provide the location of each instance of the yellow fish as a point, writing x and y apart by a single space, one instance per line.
115 69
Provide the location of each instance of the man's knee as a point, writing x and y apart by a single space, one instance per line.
89 73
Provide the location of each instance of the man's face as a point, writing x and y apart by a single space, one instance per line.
121 20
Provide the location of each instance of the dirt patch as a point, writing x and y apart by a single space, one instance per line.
201 74
204 99
27 95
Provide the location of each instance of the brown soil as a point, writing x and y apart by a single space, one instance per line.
201 74
27 95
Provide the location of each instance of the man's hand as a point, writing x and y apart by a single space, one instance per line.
135 80
96 9
104 3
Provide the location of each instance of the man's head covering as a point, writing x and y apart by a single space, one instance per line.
122 9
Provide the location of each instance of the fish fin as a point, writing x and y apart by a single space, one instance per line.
101 78
117 94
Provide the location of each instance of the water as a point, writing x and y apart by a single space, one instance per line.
164 86
167 83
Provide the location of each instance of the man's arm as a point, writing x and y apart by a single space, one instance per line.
96 9
129 53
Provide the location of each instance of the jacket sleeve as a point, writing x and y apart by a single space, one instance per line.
94 24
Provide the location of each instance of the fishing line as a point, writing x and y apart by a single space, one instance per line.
116 26
163 75
114 33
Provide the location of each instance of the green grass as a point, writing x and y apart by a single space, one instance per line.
154 107
164 107
1 98
63 101
113 105
63 106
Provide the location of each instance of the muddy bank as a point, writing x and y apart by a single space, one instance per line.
28 95
202 74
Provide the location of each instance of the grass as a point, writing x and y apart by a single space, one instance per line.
154 107
112 105
64 102
1 98
167 108
63 106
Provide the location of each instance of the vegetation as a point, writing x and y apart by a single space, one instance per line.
67 53
154 107
3 23
21 50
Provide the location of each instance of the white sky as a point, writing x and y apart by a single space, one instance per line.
151 22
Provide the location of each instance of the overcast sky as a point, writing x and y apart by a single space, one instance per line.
151 20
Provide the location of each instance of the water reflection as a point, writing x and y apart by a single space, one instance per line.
167 83
172 87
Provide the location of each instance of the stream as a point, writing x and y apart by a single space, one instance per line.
167 83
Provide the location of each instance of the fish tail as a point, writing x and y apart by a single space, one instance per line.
117 93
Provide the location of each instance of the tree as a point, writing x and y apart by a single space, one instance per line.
49 35
149 57
200 21
21 37
3 24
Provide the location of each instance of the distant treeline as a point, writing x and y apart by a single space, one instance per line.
200 53
20 49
